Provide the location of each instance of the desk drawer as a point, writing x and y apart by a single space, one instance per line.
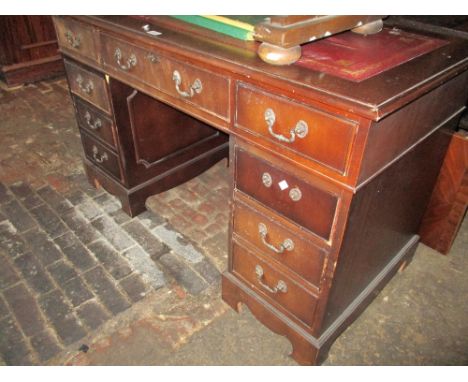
286 246
302 202
274 284
318 136
95 122
90 86
131 61
205 89
76 37
101 156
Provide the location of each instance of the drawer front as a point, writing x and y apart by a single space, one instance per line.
311 207
133 61
274 284
101 156
205 89
95 123
76 37
285 246
318 136
88 85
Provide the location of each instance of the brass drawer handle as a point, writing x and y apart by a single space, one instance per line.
88 88
267 180
73 41
131 62
95 125
295 194
195 88
300 130
280 286
101 158
287 244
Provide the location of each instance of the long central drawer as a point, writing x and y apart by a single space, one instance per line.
205 89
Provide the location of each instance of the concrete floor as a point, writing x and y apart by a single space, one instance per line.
420 318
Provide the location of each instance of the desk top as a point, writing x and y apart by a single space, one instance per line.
372 98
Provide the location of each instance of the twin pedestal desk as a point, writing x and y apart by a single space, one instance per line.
331 170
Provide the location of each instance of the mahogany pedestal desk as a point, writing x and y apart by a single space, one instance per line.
330 176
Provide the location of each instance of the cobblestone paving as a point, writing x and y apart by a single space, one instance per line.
198 209
71 259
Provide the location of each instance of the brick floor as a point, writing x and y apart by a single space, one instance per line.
71 259
198 209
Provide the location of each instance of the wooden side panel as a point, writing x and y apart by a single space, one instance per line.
390 137
159 130
385 214
449 199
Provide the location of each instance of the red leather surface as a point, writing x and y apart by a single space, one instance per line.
356 57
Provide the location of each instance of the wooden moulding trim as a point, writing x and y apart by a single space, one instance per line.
423 86
340 321
403 153
177 168
38 44
41 61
